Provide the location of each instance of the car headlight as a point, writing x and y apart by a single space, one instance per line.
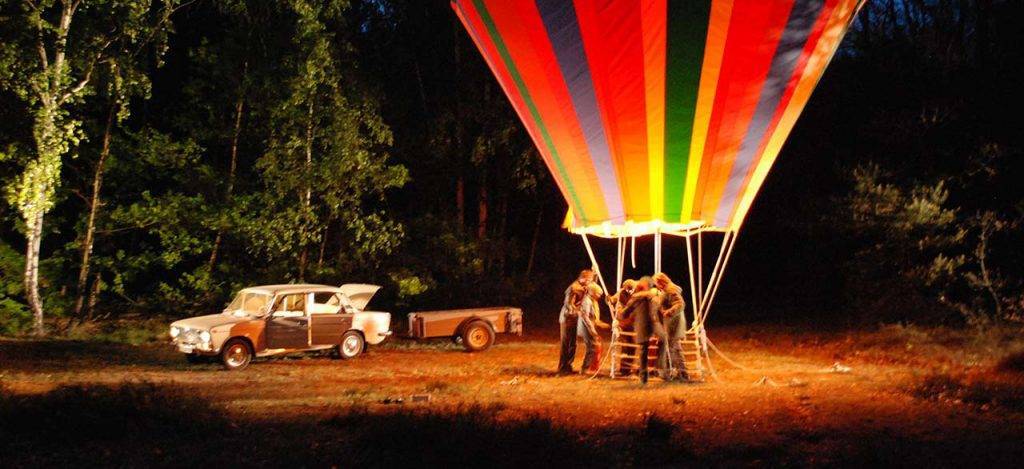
204 336
175 331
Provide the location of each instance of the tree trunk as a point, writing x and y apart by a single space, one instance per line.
94 293
34 236
481 226
307 201
94 207
239 106
323 247
502 230
48 147
533 242
460 201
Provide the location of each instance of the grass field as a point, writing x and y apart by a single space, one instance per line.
911 397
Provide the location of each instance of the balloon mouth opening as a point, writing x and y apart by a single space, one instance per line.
630 229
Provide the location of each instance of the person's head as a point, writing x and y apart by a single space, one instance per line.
586 276
629 284
595 291
643 284
661 280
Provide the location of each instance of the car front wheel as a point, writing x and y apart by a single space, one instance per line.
236 355
352 344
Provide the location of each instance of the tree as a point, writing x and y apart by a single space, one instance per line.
70 39
323 158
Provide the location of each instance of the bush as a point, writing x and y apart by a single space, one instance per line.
1013 362
982 390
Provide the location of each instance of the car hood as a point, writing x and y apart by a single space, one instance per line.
209 321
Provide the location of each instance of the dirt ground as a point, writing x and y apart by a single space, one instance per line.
895 397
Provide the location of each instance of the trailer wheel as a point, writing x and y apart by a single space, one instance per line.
477 336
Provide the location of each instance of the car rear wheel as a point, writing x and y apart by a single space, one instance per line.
478 336
236 355
352 344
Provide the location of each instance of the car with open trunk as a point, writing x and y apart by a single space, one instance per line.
278 319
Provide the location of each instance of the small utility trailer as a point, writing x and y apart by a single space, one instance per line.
475 328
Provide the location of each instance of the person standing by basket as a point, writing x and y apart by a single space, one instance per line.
589 323
672 316
568 319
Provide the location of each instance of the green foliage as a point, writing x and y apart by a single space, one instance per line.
15 317
915 237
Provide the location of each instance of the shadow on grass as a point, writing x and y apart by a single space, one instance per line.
142 424
62 355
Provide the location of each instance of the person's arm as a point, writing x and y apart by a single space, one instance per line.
675 303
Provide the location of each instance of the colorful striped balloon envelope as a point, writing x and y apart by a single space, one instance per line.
655 115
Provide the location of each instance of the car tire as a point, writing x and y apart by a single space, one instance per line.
477 336
352 344
236 355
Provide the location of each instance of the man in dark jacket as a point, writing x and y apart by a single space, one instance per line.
672 315
644 306
569 317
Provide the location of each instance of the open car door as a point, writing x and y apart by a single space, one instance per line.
359 294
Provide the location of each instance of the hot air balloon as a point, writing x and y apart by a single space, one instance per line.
655 116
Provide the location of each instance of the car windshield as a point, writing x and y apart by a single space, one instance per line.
248 303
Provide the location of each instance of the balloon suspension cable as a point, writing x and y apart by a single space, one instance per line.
693 287
600 278
700 266
620 257
657 251
632 254
716 278
596 268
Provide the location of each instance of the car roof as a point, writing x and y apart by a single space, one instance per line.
286 288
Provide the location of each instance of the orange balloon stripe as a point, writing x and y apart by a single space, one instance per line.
614 47
516 21
718 31
798 72
488 51
653 28
536 38
749 51
819 60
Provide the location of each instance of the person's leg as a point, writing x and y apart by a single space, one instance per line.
676 331
658 330
568 350
590 341
643 336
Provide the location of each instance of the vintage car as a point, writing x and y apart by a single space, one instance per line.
277 319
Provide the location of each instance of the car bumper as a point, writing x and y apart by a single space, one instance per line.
196 349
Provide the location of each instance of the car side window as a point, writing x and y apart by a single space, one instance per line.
291 306
323 303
